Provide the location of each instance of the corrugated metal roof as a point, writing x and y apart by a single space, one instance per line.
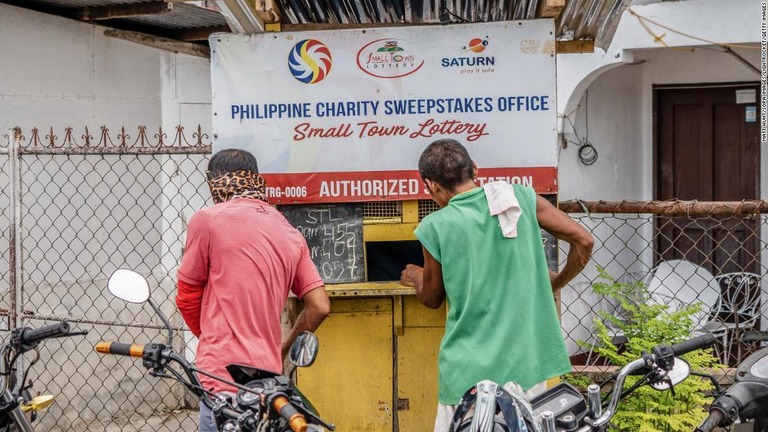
580 19
412 11
183 16
591 19
77 4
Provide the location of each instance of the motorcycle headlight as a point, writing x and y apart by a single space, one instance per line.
230 426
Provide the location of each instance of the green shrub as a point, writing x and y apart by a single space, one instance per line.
646 409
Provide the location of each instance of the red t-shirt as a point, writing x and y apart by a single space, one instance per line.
246 257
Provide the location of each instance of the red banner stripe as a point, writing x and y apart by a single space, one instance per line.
358 186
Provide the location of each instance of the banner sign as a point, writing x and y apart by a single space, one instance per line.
343 115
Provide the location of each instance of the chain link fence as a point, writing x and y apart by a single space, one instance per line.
683 253
89 205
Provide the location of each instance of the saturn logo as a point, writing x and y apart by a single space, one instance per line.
476 45
310 61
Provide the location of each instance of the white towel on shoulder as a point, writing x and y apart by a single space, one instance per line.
503 202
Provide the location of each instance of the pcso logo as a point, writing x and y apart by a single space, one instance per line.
310 61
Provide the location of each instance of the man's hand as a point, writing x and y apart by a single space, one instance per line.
412 276
427 280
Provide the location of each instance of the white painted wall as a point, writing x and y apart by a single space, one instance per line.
59 73
696 23
620 119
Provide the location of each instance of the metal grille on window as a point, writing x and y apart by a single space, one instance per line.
386 212
426 207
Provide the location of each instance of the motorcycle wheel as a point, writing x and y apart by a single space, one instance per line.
499 425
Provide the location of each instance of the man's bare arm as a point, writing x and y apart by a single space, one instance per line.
427 280
566 229
317 306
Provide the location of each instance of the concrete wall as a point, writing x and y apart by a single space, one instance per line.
619 104
58 72
610 94
83 216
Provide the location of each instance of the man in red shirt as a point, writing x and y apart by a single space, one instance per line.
241 259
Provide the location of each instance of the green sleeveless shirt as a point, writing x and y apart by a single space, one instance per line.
502 323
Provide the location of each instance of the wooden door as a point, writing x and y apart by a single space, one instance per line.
707 149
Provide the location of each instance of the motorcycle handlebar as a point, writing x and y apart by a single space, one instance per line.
33 336
295 419
118 348
693 344
280 402
659 351
712 421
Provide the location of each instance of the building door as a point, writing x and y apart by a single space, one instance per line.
707 149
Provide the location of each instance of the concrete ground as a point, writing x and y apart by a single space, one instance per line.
171 421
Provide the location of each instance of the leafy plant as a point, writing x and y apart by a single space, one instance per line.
645 325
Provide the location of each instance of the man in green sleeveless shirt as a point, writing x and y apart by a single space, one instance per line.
502 323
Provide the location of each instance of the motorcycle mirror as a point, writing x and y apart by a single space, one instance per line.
128 286
678 374
304 350
132 287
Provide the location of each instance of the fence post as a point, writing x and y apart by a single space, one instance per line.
15 258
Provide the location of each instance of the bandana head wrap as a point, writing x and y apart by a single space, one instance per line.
243 183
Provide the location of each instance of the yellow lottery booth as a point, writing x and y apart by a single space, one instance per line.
377 365
337 120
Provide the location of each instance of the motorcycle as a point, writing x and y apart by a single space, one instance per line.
265 401
563 408
746 400
18 409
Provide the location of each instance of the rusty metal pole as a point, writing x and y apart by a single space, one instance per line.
14 264
5 325
668 208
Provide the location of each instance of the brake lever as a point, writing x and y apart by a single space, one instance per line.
658 376
309 414
159 373
671 386
72 333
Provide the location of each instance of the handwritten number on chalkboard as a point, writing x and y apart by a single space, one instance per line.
334 237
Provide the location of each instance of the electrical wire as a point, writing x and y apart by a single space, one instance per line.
586 115
659 39
574 131
587 152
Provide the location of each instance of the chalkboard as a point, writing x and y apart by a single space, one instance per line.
334 234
